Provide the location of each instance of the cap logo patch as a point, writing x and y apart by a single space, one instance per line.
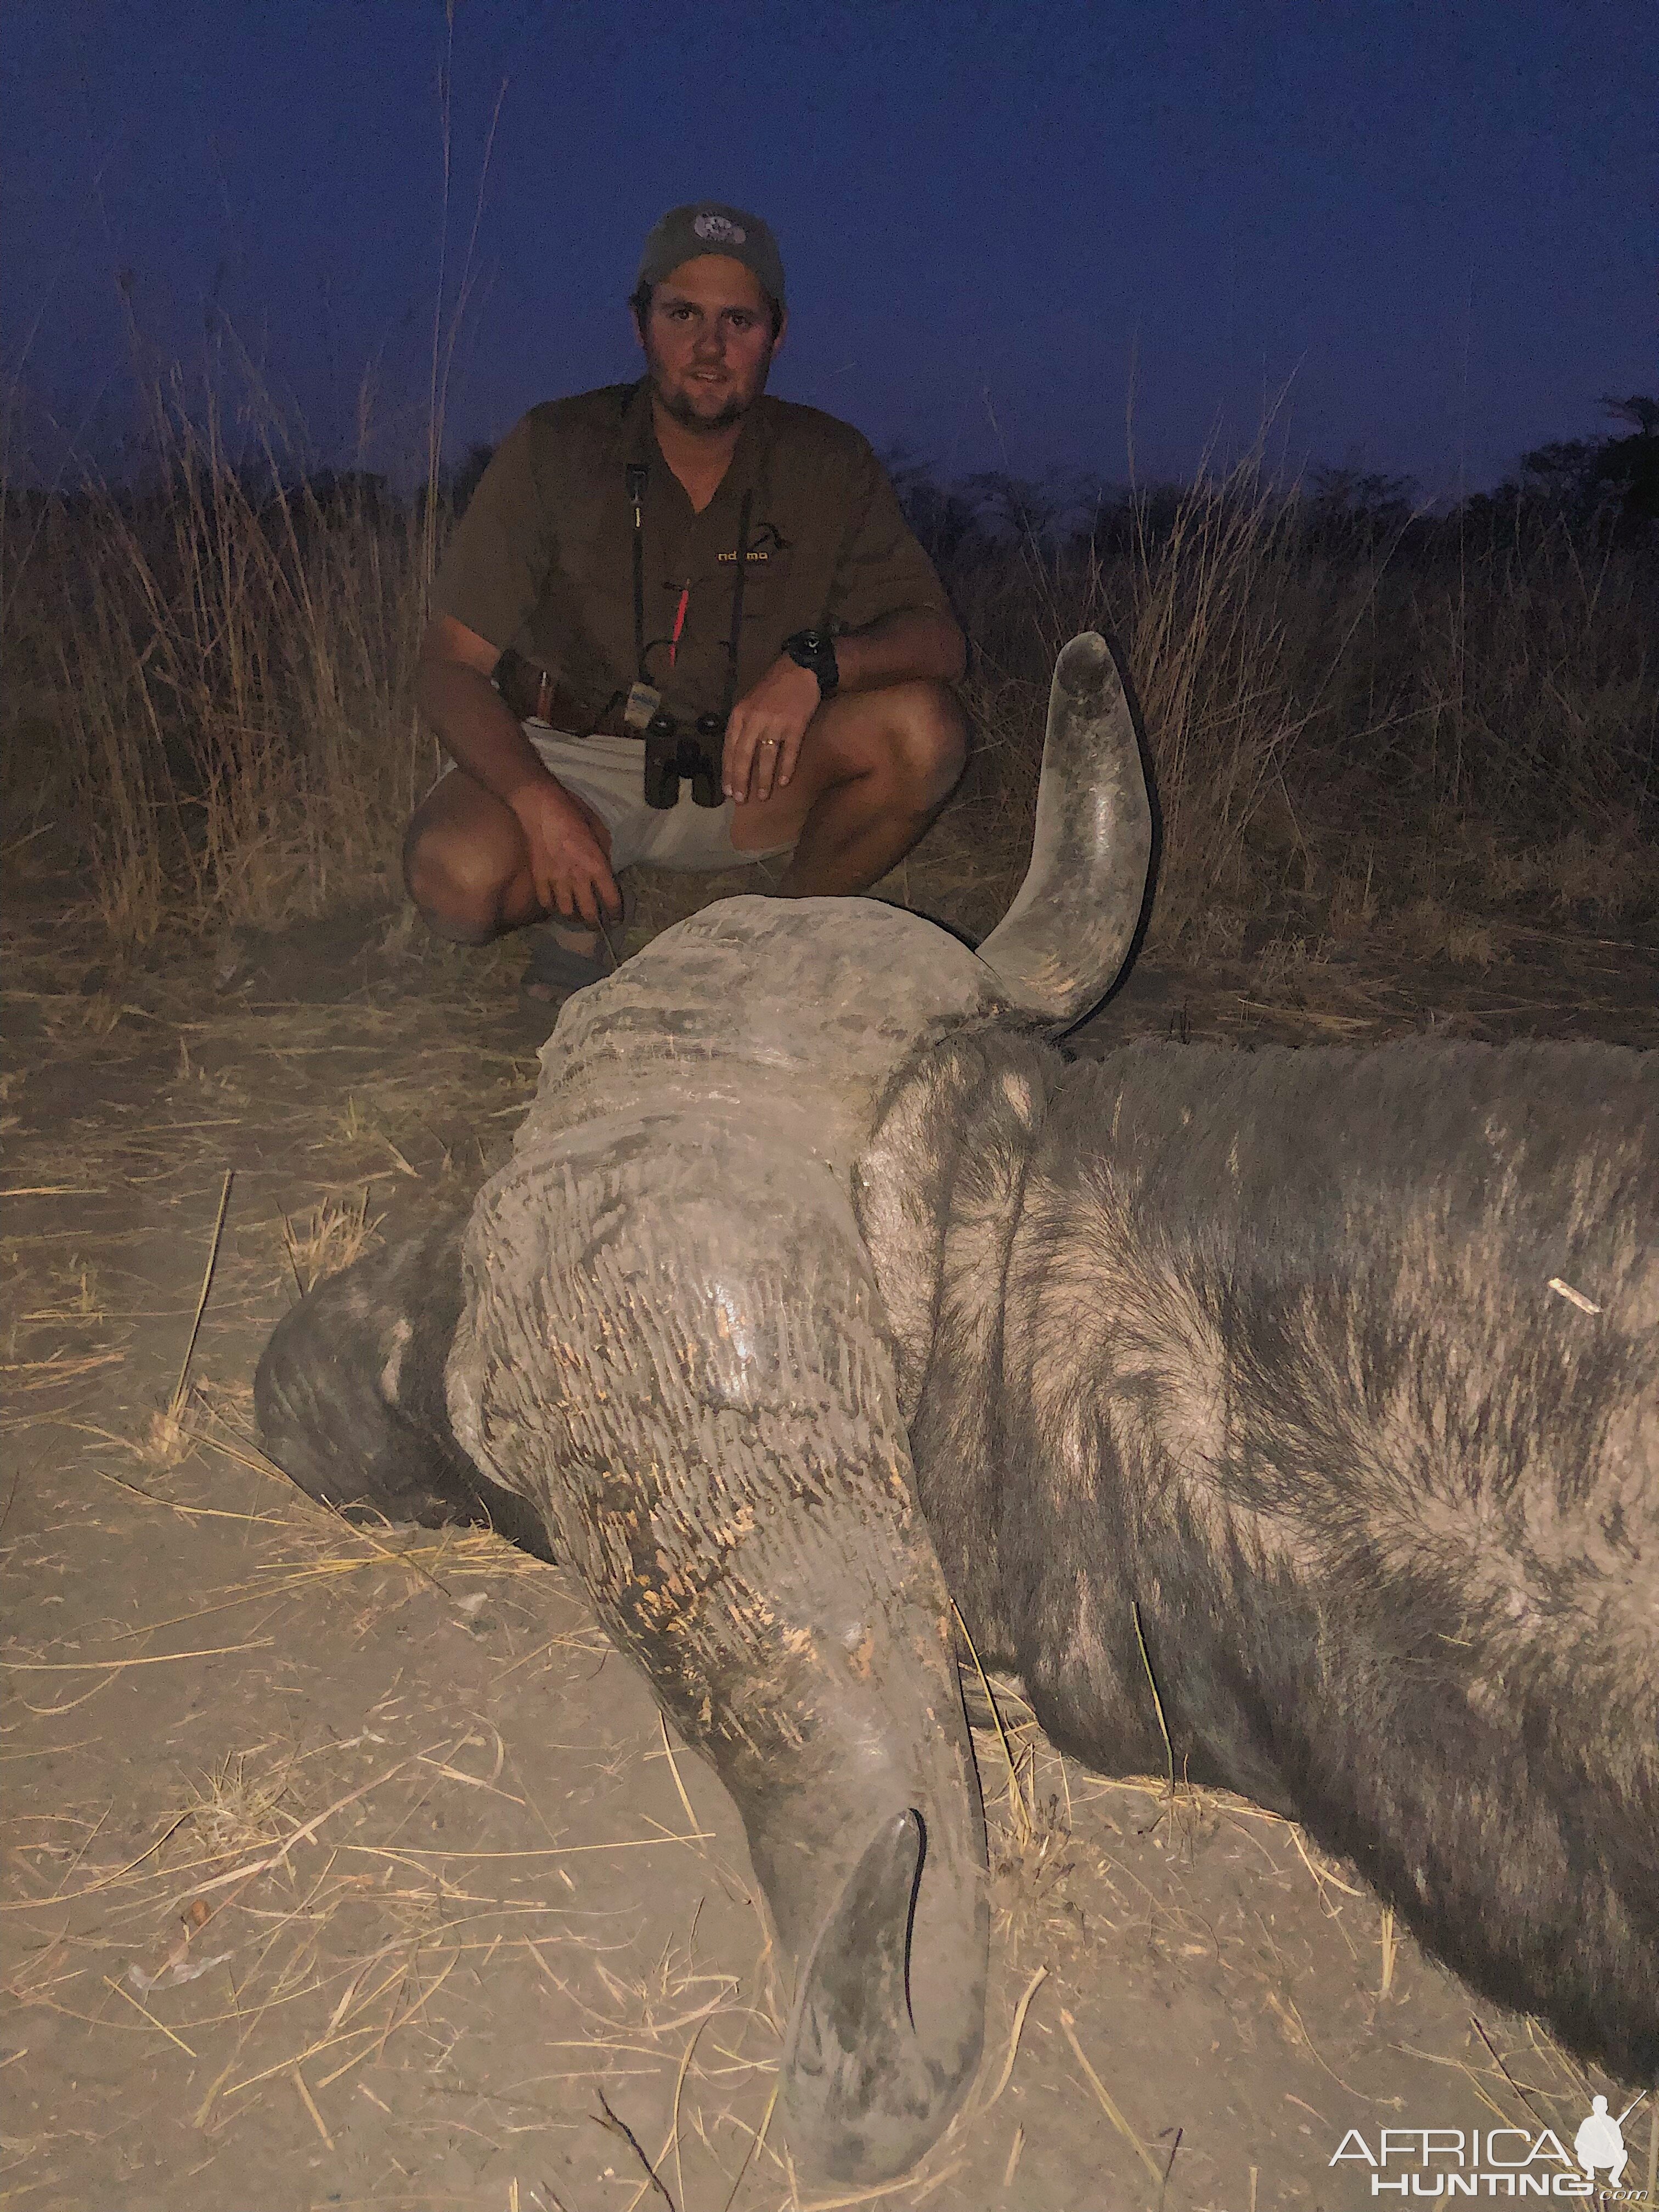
718 229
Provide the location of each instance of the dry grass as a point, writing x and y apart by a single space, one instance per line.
296 1931
1336 737
221 660
336 1231
212 679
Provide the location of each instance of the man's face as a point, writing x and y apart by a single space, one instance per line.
708 343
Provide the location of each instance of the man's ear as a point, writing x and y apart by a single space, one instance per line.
783 325
639 333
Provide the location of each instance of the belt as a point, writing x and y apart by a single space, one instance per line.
536 695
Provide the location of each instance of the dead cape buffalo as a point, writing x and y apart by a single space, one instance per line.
821 1290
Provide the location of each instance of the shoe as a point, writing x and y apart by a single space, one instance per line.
555 973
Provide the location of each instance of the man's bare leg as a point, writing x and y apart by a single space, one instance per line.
875 769
467 867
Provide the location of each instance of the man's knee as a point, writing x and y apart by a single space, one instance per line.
928 738
457 884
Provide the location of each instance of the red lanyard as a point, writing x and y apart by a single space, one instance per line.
637 476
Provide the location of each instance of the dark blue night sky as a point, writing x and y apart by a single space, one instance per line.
1425 233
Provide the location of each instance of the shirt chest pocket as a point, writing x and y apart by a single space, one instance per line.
773 576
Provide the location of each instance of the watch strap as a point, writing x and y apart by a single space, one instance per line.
815 649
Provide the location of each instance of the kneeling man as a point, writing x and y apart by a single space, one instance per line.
646 570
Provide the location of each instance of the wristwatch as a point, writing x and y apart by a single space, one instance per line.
815 649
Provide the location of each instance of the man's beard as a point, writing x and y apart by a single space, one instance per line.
678 405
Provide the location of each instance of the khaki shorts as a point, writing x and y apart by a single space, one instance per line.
609 775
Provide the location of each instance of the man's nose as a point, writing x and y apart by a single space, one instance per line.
710 342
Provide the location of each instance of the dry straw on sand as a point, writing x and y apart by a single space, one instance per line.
289 1941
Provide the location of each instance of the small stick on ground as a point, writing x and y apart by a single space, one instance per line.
120 1666
755 2140
1390 1951
175 1405
673 2142
1157 1701
310 2104
199 2119
1492 2049
1020 2011
1016 1797
1168 2167
1014 2150
797 2203
674 1769
150 2017
938 2181
1068 2026
620 2126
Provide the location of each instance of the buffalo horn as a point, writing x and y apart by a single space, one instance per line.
1059 946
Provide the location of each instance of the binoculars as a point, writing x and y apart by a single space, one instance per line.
672 753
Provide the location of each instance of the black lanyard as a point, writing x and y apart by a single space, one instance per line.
637 474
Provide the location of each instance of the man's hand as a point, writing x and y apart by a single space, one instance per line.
567 846
763 737
567 862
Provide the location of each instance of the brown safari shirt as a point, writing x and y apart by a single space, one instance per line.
542 560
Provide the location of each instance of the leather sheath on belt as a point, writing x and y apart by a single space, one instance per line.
535 695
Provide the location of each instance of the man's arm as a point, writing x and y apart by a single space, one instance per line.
568 854
899 647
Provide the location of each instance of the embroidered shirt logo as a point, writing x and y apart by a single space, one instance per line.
718 229
767 540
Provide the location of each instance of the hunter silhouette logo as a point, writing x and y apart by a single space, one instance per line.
1601 2142
718 229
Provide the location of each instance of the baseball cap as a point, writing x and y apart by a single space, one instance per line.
710 226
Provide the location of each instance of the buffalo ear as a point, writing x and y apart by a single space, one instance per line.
1057 950
348 1394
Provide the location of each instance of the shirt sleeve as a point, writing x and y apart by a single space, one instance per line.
882 569
497 561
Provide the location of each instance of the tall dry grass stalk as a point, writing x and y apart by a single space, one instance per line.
211 666
1215 620
1482 724
227 656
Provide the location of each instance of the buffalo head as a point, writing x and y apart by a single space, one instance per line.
819 1291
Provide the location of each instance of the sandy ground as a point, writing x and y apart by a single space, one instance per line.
355 1870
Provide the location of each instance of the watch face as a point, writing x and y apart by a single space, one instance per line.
815 649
